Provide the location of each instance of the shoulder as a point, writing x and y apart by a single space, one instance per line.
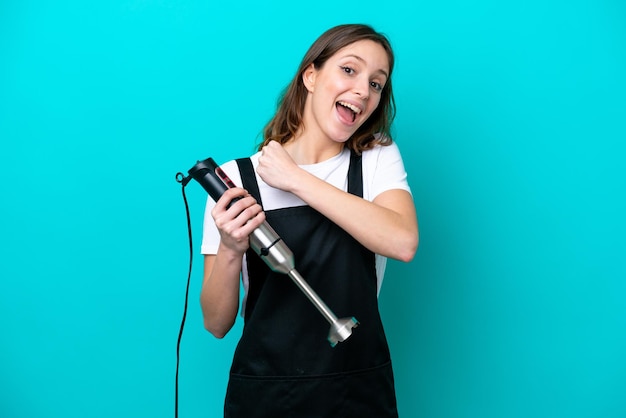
383 169
388 153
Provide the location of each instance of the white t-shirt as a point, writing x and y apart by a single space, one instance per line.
383 169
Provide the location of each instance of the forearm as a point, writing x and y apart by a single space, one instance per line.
219 297
386 226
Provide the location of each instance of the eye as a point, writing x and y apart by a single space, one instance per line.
376 86
347 70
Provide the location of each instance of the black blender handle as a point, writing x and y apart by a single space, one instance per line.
212 178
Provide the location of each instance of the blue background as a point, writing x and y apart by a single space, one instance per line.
511 123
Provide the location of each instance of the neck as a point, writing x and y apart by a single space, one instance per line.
307 150
310 145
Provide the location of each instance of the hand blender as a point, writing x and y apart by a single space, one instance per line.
269 246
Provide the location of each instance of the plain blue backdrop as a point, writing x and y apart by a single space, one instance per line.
511 123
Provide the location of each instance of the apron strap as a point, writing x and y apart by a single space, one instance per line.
248 178
355 175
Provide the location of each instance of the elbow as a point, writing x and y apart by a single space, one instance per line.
407 251
219 331
406 242
218 334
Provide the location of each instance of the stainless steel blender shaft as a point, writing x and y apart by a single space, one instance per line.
340 329
267 244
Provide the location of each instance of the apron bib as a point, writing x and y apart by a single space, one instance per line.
283 365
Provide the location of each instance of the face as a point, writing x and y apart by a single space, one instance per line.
345 91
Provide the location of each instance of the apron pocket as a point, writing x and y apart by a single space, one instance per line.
359 394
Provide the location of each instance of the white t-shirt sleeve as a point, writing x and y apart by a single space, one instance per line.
210 234
383 169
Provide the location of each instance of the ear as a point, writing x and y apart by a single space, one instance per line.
308 78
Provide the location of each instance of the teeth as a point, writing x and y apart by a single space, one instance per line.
351 107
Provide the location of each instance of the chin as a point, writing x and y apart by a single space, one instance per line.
341 140
341 136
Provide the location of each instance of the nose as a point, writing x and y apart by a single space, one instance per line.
362 87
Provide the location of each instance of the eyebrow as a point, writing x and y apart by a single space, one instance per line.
362 60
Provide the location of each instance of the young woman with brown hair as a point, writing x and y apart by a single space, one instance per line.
331 182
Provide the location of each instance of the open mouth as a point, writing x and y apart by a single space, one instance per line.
347 111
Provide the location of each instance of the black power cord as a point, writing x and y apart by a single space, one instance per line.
180 178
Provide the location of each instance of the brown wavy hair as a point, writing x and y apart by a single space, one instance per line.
289 114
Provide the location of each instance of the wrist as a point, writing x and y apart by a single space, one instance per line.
299 182
229 253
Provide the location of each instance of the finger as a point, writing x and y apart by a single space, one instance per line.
239 206
228 196
254 217
239 227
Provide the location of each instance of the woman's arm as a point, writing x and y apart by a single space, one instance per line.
219 297
386 226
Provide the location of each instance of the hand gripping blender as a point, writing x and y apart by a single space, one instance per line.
274 252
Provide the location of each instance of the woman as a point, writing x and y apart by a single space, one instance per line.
332 184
